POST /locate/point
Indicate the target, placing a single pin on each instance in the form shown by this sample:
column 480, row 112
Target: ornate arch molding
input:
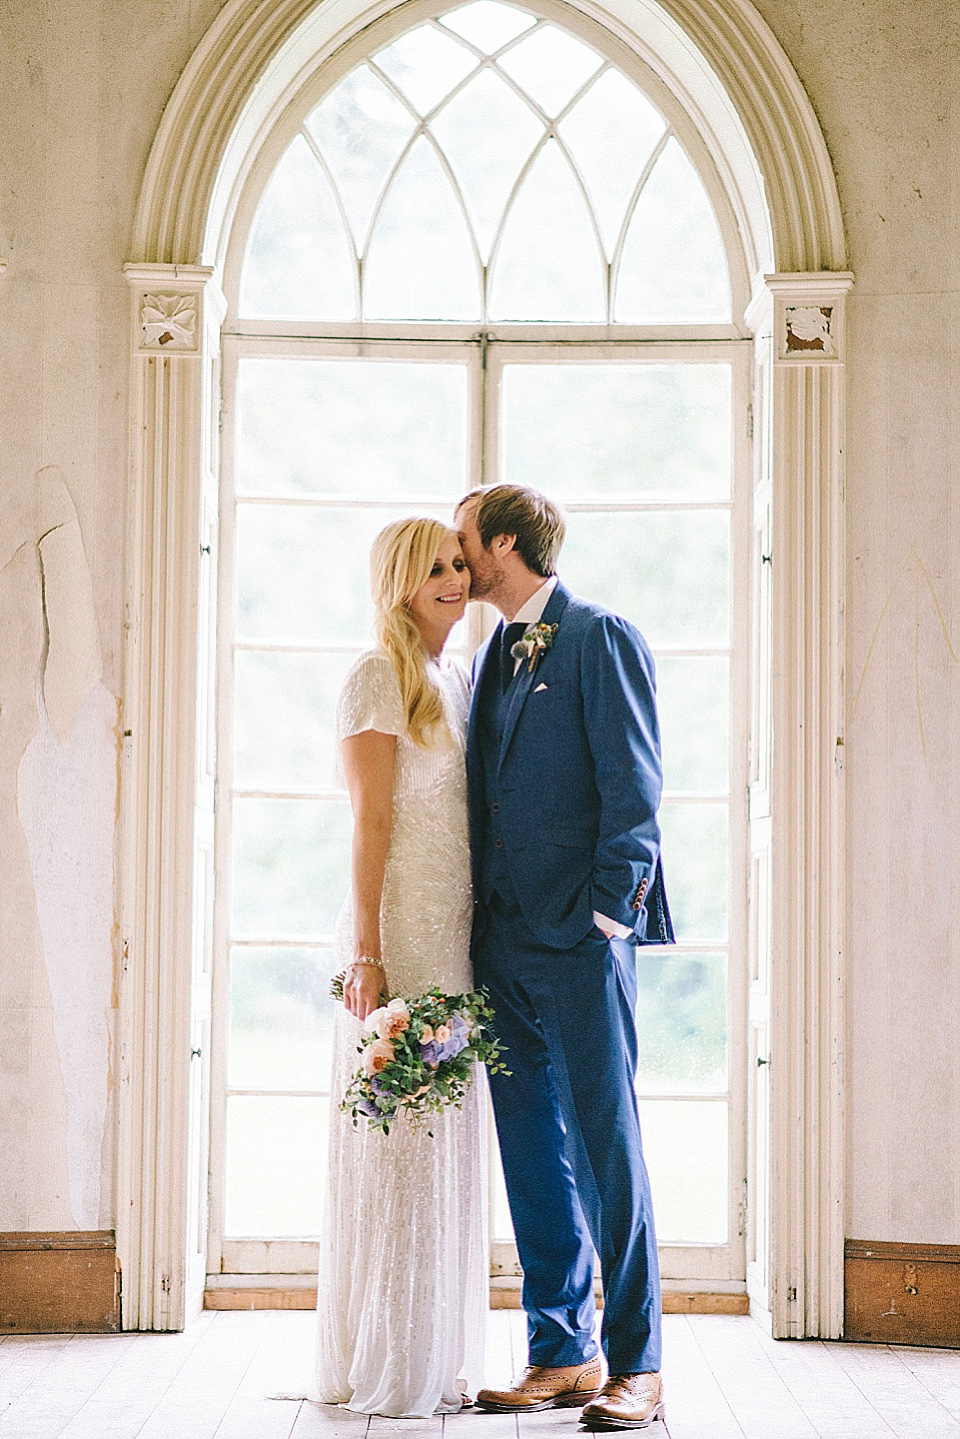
column 730, row 74
column 719, row 54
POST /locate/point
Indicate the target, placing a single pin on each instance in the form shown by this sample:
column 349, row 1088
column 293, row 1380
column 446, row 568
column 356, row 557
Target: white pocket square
column 539, row 688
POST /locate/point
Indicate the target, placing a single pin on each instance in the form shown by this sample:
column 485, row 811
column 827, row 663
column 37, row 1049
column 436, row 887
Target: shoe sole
column 599, row 1421
column 570, row 1400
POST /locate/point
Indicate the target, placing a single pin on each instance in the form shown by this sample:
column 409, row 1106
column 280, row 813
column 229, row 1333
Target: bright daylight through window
column 484, row 253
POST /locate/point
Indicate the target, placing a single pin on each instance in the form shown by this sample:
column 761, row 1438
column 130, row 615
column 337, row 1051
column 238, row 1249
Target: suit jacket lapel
column 523, row 682
column 481, row 672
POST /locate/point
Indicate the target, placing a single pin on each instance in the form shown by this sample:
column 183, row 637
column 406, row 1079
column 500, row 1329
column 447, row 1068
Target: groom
column 563, row 761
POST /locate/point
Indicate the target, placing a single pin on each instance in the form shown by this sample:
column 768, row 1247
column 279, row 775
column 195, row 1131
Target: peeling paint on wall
column 65, row 795
column 72, row 664
column 58, row 772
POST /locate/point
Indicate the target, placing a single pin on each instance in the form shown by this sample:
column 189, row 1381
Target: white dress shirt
column 528, row 614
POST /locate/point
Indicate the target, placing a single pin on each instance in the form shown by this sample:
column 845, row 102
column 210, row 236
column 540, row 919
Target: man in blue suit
column 563, row 763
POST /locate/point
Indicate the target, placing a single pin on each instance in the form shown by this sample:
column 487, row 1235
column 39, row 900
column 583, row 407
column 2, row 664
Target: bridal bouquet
column 418, row 1056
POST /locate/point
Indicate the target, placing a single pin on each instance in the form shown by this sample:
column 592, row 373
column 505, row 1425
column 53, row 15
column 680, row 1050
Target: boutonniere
column 533, row 643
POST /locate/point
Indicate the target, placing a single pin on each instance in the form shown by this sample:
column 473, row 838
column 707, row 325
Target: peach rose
column 442, row 1034
column 427, row 1035
column 393, row 1025
column 377, row 1056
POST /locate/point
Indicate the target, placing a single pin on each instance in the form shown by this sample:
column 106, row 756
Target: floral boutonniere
column 533, row 643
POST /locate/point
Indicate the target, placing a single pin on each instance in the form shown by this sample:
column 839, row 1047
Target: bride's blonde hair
column 401, row 559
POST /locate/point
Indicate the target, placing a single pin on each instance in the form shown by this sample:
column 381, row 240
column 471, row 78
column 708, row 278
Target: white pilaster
column 176, row 313
column 800, row 320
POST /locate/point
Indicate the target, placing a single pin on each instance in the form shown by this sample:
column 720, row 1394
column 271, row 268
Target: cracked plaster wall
column 83, row 87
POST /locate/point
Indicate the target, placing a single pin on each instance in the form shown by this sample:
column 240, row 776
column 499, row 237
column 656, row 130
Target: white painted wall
column 82, row 88
column 882, row 77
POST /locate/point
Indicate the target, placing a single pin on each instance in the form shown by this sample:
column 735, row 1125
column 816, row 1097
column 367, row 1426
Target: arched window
column 486, row 166
column 483, row 243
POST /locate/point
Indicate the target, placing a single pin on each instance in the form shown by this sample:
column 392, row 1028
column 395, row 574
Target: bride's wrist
column 367, row 959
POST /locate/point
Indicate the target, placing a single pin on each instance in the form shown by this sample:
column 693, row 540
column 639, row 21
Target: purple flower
column 366, row 1106
column 432, row 1053
column 377, row 1085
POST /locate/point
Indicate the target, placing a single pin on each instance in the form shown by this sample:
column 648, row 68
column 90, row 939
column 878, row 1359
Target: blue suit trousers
column 569, row 1137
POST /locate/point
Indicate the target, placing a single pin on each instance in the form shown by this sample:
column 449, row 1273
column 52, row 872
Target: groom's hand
column 610, row 928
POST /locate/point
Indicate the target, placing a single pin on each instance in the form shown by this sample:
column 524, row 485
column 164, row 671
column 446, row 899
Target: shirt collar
column 530, row 612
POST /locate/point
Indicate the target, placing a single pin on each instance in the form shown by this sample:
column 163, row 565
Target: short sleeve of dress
column 370, row 698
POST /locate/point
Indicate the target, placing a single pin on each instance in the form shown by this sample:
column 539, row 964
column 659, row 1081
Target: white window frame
column 687, row 1264
column 724, row 66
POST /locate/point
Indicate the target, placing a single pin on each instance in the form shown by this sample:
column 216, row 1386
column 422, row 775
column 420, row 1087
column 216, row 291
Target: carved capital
column 169, row 322
column 172, row 306
column 808, row 315
column 808, row 328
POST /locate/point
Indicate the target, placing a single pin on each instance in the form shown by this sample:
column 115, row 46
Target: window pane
column 668, row 573
column 551, row 66
column 299, row 262
column 693, row 697
column 303, row 574
column 487, row 133
column 291, row 866
column 425, row 64
column 276, row 1155
column 281, row 1018
column 681, row 1022
column 420, row 265
column 360, row 429
column 361, row 127
column 673, row 266
column 487, row 24
column 284, row 719
column 630, row 431
column 696, row 864
column 548, row 264
column 685, row 1146
column 612, row 132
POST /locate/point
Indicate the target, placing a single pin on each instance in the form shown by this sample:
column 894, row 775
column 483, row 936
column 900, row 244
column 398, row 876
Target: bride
column 402, row 1283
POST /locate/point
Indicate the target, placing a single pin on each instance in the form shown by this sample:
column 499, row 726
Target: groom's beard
column 485, row 582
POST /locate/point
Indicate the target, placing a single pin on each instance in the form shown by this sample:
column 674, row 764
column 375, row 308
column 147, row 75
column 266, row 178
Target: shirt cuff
column 611, row 926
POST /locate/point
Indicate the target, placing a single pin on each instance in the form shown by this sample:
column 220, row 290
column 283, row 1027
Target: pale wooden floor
column 725, row 1380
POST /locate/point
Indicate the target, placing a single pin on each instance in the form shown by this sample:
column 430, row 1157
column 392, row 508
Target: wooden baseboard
column 243, row 1298
column 902, row 1293
column 56, row 1283
column 673, row 1303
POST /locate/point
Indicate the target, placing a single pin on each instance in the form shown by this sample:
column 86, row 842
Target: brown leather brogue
column 542, row 1388
column 626, row 1401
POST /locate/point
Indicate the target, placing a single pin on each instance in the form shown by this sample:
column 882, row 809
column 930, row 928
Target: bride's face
column 442, row 598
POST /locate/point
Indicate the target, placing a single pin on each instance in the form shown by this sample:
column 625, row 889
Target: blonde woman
column 402, row 1299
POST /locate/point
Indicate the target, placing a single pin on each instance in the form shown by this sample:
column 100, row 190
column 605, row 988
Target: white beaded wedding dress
column 402, row 1284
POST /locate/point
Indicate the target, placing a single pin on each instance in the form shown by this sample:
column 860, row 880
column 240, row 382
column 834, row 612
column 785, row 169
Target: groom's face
column 483, row 566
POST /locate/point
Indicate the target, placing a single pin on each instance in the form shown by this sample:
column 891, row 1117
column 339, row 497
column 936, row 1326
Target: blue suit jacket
column 579, row 777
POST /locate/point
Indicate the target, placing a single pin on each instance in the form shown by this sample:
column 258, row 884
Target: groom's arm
column 620, row 715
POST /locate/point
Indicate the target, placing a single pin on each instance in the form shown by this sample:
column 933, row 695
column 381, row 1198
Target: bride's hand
column 364, row 989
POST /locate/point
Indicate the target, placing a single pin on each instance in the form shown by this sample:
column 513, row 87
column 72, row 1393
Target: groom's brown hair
column 537, row 525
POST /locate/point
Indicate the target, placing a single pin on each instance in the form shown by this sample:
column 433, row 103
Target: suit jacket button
column 499, row 844
column 637, row 904
column 494, row 809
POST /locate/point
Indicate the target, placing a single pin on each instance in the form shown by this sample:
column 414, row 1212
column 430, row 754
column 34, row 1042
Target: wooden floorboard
column 724, row 1379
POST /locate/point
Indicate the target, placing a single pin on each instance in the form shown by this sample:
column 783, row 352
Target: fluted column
column 799, row 322
column 176, row 313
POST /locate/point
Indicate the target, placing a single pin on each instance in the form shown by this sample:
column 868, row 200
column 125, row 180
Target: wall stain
column 912, row 566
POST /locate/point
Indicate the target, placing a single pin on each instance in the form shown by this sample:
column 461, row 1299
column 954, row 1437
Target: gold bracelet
column 368, row 959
